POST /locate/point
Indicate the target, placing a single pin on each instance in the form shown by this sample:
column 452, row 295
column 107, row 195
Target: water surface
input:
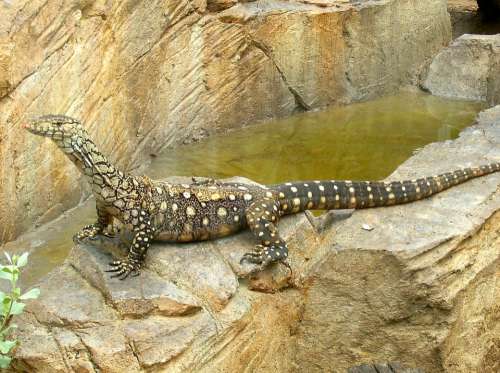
column 360, row 141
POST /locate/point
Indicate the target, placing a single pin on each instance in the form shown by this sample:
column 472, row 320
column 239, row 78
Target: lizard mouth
column 38, row 128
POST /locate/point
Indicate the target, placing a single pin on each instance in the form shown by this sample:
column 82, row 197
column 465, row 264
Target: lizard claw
column 89, row 232
column 262, row 257
column 254, row 257
column 123, row 269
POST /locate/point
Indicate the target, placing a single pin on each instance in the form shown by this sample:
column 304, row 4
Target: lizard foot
column 123, row 269
column 265, row 255
column 88, row 232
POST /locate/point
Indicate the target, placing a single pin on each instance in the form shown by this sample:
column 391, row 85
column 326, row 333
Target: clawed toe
column 122, row 270
column 255, row 258
column 263, row 256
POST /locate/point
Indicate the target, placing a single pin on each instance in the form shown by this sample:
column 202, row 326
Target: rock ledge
column 420, row 288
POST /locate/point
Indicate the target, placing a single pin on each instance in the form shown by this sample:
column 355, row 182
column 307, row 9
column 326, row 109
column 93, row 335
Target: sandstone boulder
column 145, row 75
column 420, row 288
column 412, row 289
column 468, row 69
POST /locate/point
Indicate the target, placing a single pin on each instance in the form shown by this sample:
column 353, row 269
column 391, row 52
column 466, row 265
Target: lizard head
column 56, row 127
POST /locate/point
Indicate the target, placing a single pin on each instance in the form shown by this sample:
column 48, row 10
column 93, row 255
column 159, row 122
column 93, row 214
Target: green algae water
column 356, row 142
column 360, row 141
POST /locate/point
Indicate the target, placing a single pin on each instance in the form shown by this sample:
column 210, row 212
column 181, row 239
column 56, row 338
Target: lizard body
column 158, row 210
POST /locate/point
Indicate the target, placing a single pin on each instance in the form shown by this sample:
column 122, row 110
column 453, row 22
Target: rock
column 383, row 368
column 420, row 288
column 146, row 75
column 465, row 18
column 409, row 289
column 141, row 296
column 217, row 5
column 468, row 69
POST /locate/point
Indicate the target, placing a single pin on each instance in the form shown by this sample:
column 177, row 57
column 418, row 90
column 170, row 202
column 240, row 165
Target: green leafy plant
column 11, row 305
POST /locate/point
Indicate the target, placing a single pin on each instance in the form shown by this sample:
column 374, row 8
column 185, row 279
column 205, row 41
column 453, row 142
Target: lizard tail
column 330, row 194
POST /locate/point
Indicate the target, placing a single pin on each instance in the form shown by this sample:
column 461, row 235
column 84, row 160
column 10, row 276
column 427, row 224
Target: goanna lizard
column 158, row 210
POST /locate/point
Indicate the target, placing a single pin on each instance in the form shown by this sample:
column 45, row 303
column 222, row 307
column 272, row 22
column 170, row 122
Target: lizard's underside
column 156, row 210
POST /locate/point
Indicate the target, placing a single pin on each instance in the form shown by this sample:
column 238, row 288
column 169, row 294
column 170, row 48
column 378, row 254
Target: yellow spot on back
column 222, row 212
column 190, row 211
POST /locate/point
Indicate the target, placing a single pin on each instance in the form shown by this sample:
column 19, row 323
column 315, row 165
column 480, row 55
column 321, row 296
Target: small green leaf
column 4, row 361
column 2, row 296
column 6, row 346
column 6, row 305
column 31, row 294
column 17, row 308
column 6, row 274
column 22, row 260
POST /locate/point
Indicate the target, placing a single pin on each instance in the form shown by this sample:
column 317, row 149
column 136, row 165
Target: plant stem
column 12, row 300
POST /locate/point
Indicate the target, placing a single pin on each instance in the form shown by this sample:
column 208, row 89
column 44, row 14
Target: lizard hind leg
column 262, row 217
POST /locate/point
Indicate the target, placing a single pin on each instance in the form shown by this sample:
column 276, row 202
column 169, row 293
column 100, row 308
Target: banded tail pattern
column 330, row 194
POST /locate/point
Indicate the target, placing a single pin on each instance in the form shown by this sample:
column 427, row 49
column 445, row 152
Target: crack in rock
column 299, row 100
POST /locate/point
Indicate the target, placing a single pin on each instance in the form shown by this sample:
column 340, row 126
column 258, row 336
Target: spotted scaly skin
column 157, row 210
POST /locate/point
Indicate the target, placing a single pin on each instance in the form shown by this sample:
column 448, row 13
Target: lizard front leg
column 91, row 231
column 143, row 235
column 262, row 217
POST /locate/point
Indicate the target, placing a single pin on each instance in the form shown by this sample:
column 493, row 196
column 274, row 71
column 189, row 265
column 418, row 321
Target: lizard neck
column 102, row 175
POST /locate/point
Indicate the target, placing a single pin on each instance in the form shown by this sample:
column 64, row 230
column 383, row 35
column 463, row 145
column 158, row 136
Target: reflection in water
column 360, row 141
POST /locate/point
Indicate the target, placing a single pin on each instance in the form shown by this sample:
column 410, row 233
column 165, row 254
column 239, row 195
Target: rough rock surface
column 421, row 288
column 465, row 18
column 143, row 75
column 468, row 69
